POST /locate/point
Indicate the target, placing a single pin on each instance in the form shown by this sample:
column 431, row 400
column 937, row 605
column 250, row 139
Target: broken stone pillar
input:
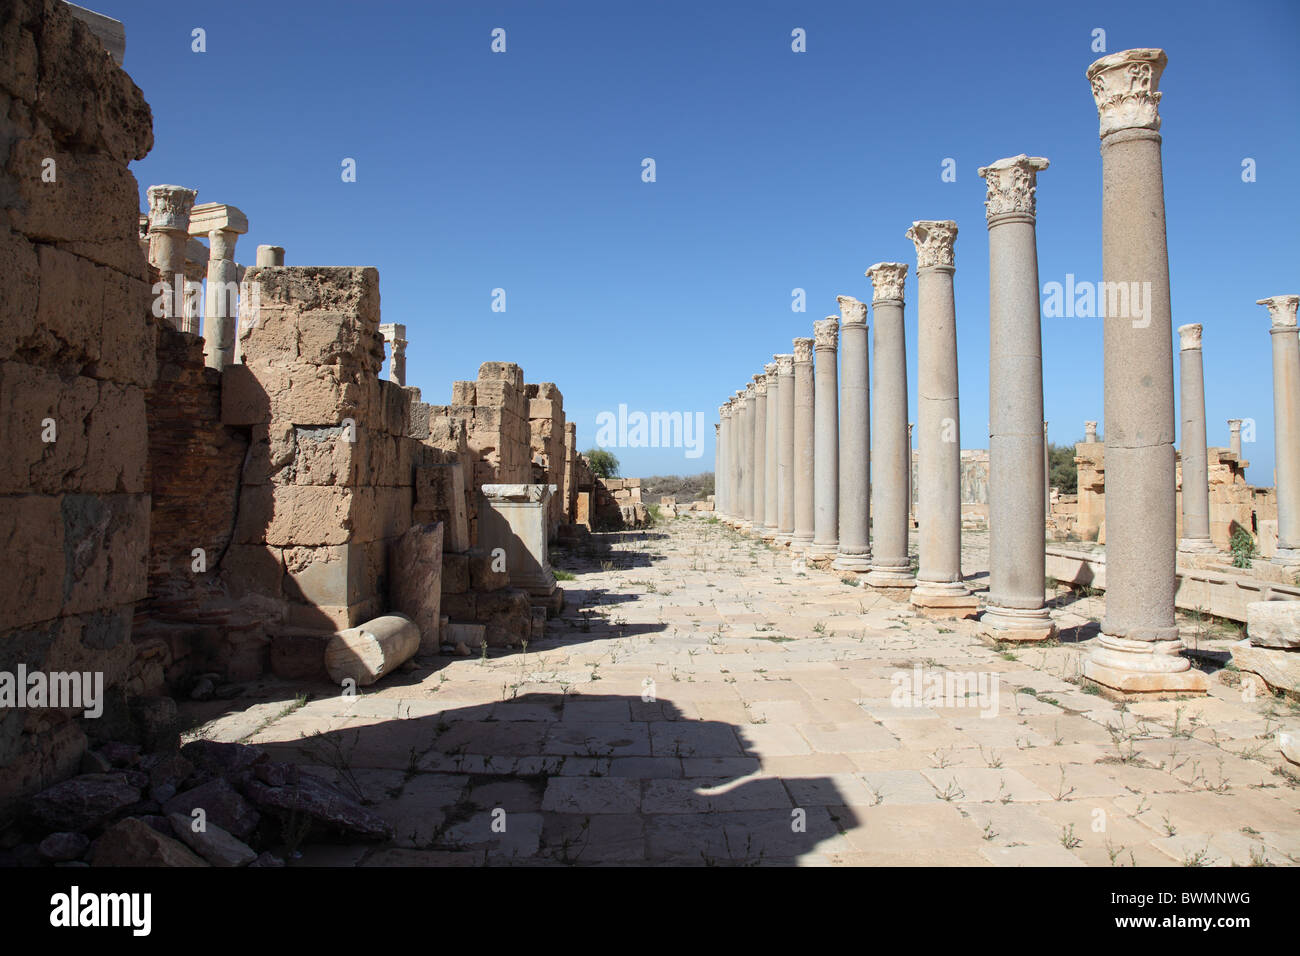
column 513, row 518
column 1090, row 432
column 939, row 589
column 854, row 552
column 365, row 653
column 769, row 452
column 270, row 255
column 1234, row 436
column 1196, row 462
column 169, row 222
column 223, row 225
column 1286, row 424
column 826, row 443
column 785, row 449
column 804, row 441
column 891, row 439
column 394, row 334
column 1138, row 652
column 758, row 460
column 1015, row 608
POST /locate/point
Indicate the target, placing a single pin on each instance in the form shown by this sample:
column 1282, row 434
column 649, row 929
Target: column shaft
column 855, row 440
column 826, row 464
column 1286, row 424
column 1195, row 455
column 771, row 413
column 758, row 459
column 804, row 446
column 785, row 449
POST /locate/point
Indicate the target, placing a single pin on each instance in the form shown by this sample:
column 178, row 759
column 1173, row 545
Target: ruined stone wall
column 547, row 445
column 76, row 358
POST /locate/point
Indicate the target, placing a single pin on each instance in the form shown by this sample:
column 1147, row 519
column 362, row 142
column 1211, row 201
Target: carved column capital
column 887, row 281
column 170, row 207
column 826, row 333
column 1124, row 86
column 1189, row 337
column 852, row 311
column 803, row 351
column 1012, row 183
column 1281, row 309
column 784, row 364
column 934, row 240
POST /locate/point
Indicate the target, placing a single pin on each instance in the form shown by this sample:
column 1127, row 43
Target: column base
column 800, row 545
column 1124, row 669
column 1018, row 625
column 1196, row 546
column 944, row 599
column 1286, row 557
column 783, row 539
column 769, row 532
column 857, row 563
column 886, row 578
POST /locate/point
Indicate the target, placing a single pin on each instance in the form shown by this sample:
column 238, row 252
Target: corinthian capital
column 934, row 239
column 1124, row 86
column 826, row 332
column 1281, row 309
column 760, row 384
column 1189, row 337
column 784, row 364
column 887, row 280
column 852, row 312
column 1012, row 183
column 803, row 351
column 169, row 208
column 769, row 373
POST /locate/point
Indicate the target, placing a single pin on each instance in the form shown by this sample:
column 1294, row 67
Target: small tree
column 1062, row 471
column 603, row 463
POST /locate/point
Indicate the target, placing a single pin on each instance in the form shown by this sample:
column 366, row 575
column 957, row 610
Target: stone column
column 739, row 449
column 1090, row 432
column 911, row 496
column 855, row 440
column 1286, row 424
column 270, row 255
column 1234, row 436
column 770, row 452
column 758, row 459
column 826, row 450
column 394, row 334
column 891, row 439
column 785, row 449
column 747, row 458
column 1047, row 471
column 1196, row 463
column 169, row 231
column 1138, row 653
column 223, row 225
column 720, row 463
column 1015, row 608
column 939, row 589
column 804, row 446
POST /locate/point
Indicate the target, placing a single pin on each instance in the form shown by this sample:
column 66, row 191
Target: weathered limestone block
column 1274, row 624
column 487, row 571
column 335, row 575
column 415, row 580
column 1279, row 668
column 455, row 572
column 373, row 650
column 440, row 490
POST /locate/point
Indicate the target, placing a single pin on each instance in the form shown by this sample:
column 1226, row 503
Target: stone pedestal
column 1286, row 424
column 169, row 225
column 804, row 442
column 855, row 440
column 939, row 589
column 1138, row 654
column 514, row 519
column 891, row 445
column 785, row 449
column 826, row 444
column 1196, row 463
column 1015, row 609
column 770, row 413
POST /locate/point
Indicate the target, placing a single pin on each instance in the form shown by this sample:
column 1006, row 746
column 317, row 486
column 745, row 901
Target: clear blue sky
column 775, row 170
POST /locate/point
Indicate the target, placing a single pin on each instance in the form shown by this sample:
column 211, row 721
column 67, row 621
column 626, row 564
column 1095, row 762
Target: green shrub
column 1242, row 546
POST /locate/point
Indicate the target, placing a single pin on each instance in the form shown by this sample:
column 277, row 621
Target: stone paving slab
column 702, row 702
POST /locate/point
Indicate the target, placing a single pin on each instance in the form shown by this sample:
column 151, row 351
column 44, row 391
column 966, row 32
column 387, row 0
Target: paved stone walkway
column 702, row 701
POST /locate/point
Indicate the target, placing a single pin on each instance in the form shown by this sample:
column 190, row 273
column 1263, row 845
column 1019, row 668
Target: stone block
column 463, row 393
column 299, row 655
column 544, row 408
column 415, row 586
column 1279, row 668
column 440, row 489
column 335, row 575
column 488, row 571
column 471, row 635
column 1274, row 624
column 507, row 372
column 455, row 573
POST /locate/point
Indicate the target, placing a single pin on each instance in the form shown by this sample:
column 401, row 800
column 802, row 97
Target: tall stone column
column 855, row 440
column 1090, row 432
column 804, row 446
column 270, row 255
column 747, row 457
column 1286, row 424
column 826, row 456
column 223, row 225
column 891, row 439
column 1047, row 473
column 1138, row 653
column 1196, row 463
column 1015, row 608
column 1234, row 437
column 939, row 589
column 394, row 334
column 738, row 451
column 758, row 460
column 720, row 465
column 169, row 232
column 785, row 449
column 770, row 452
